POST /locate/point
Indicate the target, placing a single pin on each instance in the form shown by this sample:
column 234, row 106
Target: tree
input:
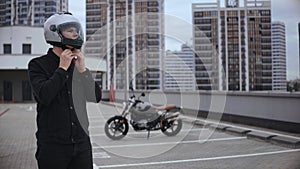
column 293, row 85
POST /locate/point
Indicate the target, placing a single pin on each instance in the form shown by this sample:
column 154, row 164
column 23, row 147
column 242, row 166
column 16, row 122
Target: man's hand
column 79, row 61
column 66, row 59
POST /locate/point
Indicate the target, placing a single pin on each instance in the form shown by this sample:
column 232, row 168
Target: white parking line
column 199, row 159
column 95, row 117
column 152, row 132
column 93, row 127
column 245, row 128
column 100, row 155
column 169, row 143
column 98, row 121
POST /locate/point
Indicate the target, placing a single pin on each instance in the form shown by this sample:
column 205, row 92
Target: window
column 7, row 48
column 26, row 48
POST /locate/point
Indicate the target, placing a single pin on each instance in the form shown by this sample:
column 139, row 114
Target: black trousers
column 64, row 156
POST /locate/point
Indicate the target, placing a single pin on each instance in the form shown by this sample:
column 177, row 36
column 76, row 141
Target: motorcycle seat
column 165, row 107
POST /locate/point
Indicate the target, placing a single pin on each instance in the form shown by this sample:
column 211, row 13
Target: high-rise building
column 233, row 45
column 279, row 56
column 129, row 36
column 29, row 12
column 179, row 69
column 299, row 46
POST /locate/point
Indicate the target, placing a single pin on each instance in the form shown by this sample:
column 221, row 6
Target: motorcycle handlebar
column 133, row 97
column 133, row 100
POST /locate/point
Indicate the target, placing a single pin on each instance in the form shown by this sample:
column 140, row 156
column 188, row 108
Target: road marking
column 95, row 117
column 95, row 166
column 93, row 127
column 168, row 143
column 152, row 132
column 245, row 128
column 200, row 159
column 101, row 155
column 6, row 110
column 97, row 121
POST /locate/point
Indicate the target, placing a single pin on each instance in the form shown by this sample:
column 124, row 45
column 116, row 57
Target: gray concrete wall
column 283, row 107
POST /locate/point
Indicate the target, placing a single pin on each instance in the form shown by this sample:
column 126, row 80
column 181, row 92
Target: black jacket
column 61, row 100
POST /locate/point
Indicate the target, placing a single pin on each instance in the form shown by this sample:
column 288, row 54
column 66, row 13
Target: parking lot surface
column 195, row 146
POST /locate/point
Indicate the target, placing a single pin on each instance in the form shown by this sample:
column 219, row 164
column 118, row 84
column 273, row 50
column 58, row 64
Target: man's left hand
column 79, row 62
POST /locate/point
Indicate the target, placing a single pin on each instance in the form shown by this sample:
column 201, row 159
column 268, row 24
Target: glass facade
column 279, row 56
column 233, row 46
column 127, row 34
column 29, row 12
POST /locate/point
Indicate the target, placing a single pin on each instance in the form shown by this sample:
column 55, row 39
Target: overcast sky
column 179, row 15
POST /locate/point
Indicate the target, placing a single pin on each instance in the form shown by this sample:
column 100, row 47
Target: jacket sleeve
column 45, row 88
column 91, row 89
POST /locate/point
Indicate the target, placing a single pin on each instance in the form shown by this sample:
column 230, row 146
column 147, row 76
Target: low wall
column 280, row 111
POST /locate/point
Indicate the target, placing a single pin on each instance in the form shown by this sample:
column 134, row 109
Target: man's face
column 70, row 33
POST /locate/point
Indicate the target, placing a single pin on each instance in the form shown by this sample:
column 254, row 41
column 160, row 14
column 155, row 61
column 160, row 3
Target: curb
column 286, row 141
column 219, row 127
column 201, row 123
column 259, row 136
column 273, row 138
column 237, row 131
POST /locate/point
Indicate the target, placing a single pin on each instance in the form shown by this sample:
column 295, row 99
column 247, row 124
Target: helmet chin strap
column 64, row 47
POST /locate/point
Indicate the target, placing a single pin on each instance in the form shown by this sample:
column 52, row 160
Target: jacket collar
column 52, row 55
column 55, row 58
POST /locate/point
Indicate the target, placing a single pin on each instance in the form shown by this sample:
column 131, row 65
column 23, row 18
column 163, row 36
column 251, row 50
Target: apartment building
column 129, row 36
column 29, row 12
column 299, row 46
column 179, row 69
column 279, row 56
column 22, row 38
column 233, row 45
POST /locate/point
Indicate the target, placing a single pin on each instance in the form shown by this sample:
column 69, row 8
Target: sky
column 179, row 15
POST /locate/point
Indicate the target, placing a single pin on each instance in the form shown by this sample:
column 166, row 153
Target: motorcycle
column 144, row 116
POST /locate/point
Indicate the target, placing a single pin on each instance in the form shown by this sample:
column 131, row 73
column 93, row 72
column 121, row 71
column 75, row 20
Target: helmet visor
column 71, row 25
column 67, row 31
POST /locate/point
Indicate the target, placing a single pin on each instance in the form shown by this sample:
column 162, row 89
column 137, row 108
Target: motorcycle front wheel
column 171, row 128
column 116, row 127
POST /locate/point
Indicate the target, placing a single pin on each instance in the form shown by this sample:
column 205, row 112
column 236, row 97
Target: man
column 61, row 85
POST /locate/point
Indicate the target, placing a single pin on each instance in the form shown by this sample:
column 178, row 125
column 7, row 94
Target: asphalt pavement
column 200, row 144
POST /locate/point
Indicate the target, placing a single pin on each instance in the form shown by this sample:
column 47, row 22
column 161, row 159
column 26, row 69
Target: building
column 16, row 50
column 179, row 69
column 233, row 45
column 22, row 38
column 279, row 56
column 299, row 46
column 29, row 12
column 129, row 36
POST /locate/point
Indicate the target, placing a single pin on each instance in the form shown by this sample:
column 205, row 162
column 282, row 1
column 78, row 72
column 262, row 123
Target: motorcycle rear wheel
column 171, row 128
column 116, row 128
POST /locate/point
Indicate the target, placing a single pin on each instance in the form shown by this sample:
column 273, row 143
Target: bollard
column 111, row 93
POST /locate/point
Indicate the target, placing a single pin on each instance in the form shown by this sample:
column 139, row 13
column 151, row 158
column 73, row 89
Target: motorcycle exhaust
column 172, row 116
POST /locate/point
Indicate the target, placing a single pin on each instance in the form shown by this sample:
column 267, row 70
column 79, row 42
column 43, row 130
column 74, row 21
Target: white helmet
column 55, row 24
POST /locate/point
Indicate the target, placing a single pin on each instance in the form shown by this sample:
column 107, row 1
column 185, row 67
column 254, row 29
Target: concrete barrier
column 280, row 111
